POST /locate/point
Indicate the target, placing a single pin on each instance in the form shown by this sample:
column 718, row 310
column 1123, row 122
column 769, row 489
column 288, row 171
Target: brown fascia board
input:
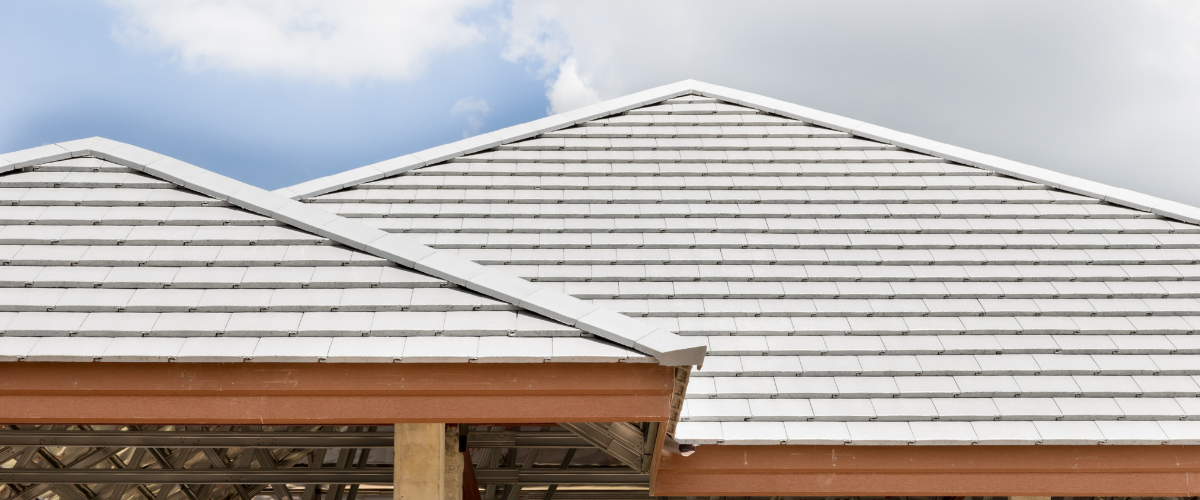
column 667, row 347
column 332, row 393
column 1027, row 470
column 1111, row 194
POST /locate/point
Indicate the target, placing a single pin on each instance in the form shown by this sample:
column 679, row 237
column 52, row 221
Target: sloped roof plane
column 1110, row 194
column 85, row 193
column 854, row 285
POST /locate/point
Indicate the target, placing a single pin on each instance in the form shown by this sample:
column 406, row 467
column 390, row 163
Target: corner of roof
column 668, row 348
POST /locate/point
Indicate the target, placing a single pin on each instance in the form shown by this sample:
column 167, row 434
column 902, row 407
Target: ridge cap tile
column 655, row 95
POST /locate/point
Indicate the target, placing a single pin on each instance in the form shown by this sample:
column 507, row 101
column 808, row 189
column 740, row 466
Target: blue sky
column 78, row 80
column 276, row 93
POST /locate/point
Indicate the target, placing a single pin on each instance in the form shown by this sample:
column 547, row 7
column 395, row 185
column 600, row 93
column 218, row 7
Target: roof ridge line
column 387, row 168
column 1077, row 185
column 668, row 347
column 1069, row 183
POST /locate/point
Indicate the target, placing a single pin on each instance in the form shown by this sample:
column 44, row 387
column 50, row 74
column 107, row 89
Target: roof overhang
column 332, row 393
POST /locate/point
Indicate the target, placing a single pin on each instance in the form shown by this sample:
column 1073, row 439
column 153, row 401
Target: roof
column 114, row 253
column 853, row 284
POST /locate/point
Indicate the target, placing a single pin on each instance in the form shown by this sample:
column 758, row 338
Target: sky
column 277, row 92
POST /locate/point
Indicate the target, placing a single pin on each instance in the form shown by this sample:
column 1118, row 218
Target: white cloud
column 569, row 90
column 340, row 41
column 473, row 110
column 1106, row 92
column 536, row 36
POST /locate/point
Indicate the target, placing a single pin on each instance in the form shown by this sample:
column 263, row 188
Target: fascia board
column 1111, row 194
column 400, row 249
column 482, row 142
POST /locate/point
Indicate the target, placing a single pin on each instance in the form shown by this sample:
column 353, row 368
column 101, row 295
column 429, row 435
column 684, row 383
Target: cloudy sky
column 275, row 92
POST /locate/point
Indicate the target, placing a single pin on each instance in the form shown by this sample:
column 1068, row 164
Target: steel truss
column 127, row 462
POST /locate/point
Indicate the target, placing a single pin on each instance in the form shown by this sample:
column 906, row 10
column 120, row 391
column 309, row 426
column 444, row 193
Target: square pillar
column 428, row 465
column 420, row 462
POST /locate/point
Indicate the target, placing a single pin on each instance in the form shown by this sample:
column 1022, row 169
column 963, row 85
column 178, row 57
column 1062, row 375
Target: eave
column 332, row 393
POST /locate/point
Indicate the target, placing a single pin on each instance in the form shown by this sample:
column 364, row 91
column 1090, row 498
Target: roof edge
column 669, row 348
column 481, row 142
column 1111, row 194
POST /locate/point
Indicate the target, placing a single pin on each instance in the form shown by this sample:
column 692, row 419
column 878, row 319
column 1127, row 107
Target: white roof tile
column 291, row 349
column 365, row 350
column 1069, row 432
column 68, row 349
column 1132, row 433
column 143, row 349
column 217, row 349
column 796, row 318
column 1006, row 433
column 943, row 433
column 1181, row 432
column 831, row 433
column 880, row 433
column 750, row 433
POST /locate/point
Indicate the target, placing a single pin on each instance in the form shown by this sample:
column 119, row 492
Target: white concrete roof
column 109, row 250
column 852, row 284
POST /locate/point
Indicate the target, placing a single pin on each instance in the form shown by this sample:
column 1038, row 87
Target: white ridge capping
column 481, row 142
column 1111, row 194
column 669, row 348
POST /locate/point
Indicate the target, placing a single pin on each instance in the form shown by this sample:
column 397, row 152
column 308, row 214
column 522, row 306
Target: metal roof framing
column 1110, row 194
column 201, row 462
column 667, row 347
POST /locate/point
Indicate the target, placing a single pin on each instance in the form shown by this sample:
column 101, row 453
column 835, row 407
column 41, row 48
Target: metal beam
column 564, row 477
column 277, row 439
column 524, row 439
column 197, row 439
column 622, row 441
column 300, row 475
column 304, row 475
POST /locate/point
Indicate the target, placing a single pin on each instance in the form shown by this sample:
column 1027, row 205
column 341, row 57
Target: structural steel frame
column 150, row 462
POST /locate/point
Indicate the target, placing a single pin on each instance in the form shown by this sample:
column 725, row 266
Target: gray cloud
column 1104, row 90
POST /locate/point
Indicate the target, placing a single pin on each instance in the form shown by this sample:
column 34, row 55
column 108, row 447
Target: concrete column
column 420, row 470
column 453, row 466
